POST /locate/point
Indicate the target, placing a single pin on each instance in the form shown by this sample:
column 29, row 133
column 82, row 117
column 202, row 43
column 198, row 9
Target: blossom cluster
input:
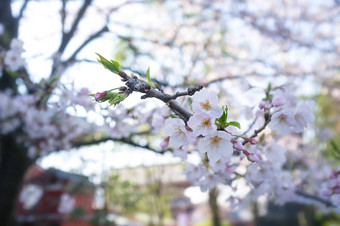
column 333, row 185
column 12, row 59
column 224, row 149
column 41, row 129
column 285, row 117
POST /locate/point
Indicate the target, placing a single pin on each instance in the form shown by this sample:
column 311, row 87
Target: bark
column 13, row 165
column 214, row 208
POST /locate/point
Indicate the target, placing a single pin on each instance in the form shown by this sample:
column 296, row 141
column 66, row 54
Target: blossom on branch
column 206, row 101
column 217, row 145
column 202, row 124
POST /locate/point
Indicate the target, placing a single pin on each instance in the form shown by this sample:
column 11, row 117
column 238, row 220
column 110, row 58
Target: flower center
column 178, row 131
column 206, row 123
column 205, row 105
column 215, row 141
column 283, row 118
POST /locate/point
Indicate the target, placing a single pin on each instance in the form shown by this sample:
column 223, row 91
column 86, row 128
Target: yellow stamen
column 206, row 123
column 215, row 140
column 205, row 105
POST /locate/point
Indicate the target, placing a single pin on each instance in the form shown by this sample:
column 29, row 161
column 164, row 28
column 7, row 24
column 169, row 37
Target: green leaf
column 116, row 99
column 234, row 123
column 223, row 119
column 148, row 76
column 261, row 139
column 112, row 65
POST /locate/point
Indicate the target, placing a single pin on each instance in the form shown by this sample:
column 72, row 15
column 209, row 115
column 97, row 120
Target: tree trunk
column 13, row 165
column 214, row 209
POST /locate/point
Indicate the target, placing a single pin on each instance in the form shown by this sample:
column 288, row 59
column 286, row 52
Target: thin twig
column 23, row 7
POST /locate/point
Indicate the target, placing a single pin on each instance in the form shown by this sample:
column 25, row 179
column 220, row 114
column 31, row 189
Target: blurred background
column 235, row 47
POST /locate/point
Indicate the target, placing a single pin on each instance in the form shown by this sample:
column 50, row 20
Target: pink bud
column 98, row 96
column 165, row 143
column 251, row 140
column 238, row 146
column 254, row 158
column 262, row 104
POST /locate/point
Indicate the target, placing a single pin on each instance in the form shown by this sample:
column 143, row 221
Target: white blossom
column 206, row 101
column 282, row 121
column 217, row 145
column 202, row 124
column 303, row 115
column 175, row 129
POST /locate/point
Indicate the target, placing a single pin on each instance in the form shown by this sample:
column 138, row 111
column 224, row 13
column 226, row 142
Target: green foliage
column 77, row 212
column 112, row 65
column 234, row 123
column 208, row 223
column 112, row 98
column 123, row 195
column 222, row 121
column 327, row 116
column 148, row 76
column 261, row 139
column 100, row 218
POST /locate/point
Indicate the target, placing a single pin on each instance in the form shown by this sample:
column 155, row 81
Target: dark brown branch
column 327, row 203
column 85, row 43
column 31, row 87
column 66, row 37
column 23, row 7
column 121, row 140
column 135, row 85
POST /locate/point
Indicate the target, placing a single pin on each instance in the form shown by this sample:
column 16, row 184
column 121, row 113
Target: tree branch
column 327, row 203
column 121, row 140
column 85, row 43
column 66, row 37
column 63, row 16
column 23, row 7
column 136, row 85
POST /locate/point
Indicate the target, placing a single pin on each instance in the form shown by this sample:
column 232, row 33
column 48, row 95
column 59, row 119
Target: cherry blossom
column 175, row 128
column 303, row 115
column 202, row 124
column 194, row 172
column 217, row 145
column 206, row 101
column 282, row 121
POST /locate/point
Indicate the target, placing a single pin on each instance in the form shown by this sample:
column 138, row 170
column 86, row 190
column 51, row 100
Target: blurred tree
column 230, row 46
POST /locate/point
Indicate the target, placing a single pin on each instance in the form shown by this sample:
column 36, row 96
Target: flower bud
column 100, row 95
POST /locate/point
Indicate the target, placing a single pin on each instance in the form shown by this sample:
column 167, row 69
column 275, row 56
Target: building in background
column 55, row 198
